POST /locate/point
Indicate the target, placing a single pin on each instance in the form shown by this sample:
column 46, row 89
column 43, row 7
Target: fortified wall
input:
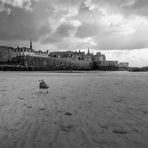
column 28, row 59
column 51, row 63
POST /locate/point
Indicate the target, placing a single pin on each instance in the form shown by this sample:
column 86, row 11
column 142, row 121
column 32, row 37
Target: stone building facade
column 6, row 53
column 123, row 65
column 9, row 53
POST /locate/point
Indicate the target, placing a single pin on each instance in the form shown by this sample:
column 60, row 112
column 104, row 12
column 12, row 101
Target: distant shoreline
column 68, row 69
column 138, row 69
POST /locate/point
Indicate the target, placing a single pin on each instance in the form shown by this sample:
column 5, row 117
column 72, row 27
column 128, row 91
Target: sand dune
column 81, row 110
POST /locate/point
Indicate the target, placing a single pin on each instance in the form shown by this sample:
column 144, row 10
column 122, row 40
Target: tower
column 88, row 52
column 30, row 44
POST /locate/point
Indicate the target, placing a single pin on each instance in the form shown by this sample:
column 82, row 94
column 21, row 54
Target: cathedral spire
column 88, row 52
column 30, row 44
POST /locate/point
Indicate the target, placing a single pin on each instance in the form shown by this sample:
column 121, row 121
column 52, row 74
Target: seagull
column 43, row 85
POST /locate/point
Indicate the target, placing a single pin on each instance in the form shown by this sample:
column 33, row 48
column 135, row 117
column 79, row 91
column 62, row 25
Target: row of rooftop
column 7, row 53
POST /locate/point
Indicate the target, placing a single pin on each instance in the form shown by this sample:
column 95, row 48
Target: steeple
column 88, row 52
column 30, row 44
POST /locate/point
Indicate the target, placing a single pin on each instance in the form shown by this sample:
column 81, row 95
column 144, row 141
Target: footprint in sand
column 103, row 126
column 63, row 98
column 67, row 128
column 42, row 108
column 120, row 132
column 29, row 106
column 20, row 98
column 68, row 114
column 118, row 100
column 145, row 111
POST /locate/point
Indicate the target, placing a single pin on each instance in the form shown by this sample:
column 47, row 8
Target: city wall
column 106, row 65
column 50, row 63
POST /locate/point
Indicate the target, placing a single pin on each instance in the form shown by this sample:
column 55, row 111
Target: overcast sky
column 119, row 28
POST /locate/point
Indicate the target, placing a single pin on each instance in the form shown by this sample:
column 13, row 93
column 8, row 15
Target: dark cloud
column 22, row 24
column 140, row 3
column 105, row 24
column 63, row 31
column 44, row 30
column 70, row 2
column 51, row 39
column 83, row 7
column 139, row 7
column 87, row 30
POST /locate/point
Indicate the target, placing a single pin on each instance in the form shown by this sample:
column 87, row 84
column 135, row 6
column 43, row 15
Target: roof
column 7, row 47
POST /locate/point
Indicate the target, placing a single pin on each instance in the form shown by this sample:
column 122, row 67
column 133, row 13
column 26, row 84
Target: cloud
column 4, row 9
column 126, row 7
column 128, row 33
column 63, row 31
column 18, row 3
column 83, row 7
column 105, row 24
column 139, row 7
column 22, row 24
column 87, row 30
column 132, row 56
column 77, row 24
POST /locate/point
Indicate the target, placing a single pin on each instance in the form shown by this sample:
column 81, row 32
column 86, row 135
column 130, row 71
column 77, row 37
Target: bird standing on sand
column 43, row 85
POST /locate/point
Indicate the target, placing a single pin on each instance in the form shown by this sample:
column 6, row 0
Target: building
column 29, row 57
column 63, row 54
column 24, row 51
column 99, row 57
column 9, row 53
column 6, row 53
column 88, row 56
column 68, row 54
column 106, row 65
column 123, row 65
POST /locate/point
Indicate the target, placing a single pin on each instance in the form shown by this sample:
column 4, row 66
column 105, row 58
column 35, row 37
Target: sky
column 117, row 28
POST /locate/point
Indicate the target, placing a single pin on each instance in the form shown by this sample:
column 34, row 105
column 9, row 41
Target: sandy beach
column 81, row 110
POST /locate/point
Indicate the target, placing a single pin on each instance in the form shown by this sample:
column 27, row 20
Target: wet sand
column 81, row 110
